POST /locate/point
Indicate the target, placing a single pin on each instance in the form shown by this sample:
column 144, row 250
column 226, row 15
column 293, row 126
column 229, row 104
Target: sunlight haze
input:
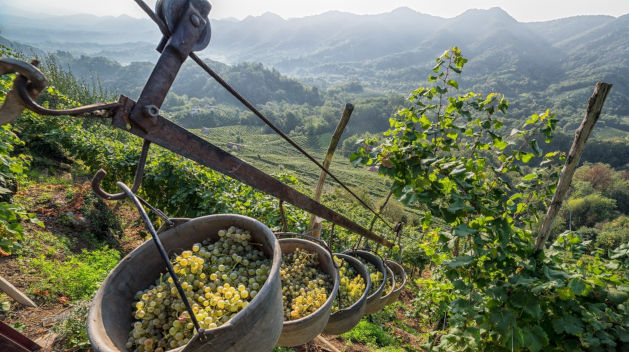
column 524, row 11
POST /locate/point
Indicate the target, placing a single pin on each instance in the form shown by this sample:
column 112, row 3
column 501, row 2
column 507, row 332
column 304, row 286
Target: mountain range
column 550, row 64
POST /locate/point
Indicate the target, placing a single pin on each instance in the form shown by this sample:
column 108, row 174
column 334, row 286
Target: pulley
column 171, row 12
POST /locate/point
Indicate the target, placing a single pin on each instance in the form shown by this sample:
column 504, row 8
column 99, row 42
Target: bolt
column 196, row 20
column 152, row 112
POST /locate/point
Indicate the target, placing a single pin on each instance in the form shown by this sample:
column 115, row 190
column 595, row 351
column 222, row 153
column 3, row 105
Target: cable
column 253, row 109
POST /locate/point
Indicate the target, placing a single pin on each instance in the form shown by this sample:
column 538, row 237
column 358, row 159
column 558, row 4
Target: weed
column 44, row 198
column 390, row 349
column 103, row 223
column 19, row 327
column 282, row 349
column 369, row 334
column 78, row 277
column 5, row 304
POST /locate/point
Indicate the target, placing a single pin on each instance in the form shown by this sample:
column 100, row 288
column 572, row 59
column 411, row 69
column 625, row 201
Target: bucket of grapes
column 378, row 275
column 310, row 283
column 228, row 267
column 389, row 287
column 349, row 305
column 399, row 282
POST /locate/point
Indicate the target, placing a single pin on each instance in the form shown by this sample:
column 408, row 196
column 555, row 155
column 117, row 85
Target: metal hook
column 29, row 76
column 126, row 192
column 100, row 174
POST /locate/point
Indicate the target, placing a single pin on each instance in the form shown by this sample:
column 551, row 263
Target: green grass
column 78, row 276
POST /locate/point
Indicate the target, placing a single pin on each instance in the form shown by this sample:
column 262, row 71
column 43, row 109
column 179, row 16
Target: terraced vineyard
column 270, row 153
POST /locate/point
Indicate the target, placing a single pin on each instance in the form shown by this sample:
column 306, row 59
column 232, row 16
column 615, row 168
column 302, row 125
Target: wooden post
column 327, row 343
column 314, row 225
column 595, row 105
column 13, row 292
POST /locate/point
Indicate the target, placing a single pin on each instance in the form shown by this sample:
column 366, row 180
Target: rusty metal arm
column 175, row 138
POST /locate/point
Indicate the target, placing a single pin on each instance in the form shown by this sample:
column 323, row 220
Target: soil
column 50, row 202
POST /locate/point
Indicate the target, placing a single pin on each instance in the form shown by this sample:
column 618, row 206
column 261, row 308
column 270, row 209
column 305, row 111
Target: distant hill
column 537, row 65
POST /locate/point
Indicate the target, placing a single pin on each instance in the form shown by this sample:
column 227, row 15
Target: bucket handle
column 318, row 240
column 158, row 243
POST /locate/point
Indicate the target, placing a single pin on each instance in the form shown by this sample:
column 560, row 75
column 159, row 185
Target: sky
column 521, row 10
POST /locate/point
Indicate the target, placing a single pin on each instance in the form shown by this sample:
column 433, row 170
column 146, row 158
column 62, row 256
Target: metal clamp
column 100, row 174
column 314, row 239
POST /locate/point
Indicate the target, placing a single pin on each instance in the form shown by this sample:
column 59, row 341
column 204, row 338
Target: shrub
column 370, row 334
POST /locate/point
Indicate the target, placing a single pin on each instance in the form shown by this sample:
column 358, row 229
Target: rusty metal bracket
column 189, row 20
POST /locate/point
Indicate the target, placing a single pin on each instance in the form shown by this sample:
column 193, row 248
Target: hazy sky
column 522, row 10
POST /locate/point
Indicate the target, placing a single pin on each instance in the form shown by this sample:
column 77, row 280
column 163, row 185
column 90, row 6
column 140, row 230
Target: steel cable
column 166, row 32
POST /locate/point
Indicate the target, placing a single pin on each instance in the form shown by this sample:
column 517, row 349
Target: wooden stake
column 314, row 226
column 13, row 292
column 327, row 343
column 595, row 105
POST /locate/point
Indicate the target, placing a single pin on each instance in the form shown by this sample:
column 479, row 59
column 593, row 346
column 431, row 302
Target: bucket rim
column 392, row 264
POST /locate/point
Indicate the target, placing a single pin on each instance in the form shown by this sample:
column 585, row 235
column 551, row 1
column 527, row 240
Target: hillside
column 539, row 65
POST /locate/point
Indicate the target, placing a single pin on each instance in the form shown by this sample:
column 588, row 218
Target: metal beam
column 173, row 137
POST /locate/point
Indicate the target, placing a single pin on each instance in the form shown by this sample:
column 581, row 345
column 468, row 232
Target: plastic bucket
column 256, row 327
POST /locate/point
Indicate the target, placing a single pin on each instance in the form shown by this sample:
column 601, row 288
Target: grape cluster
column 304, row 287
column 219, row 280
column 376, row 277
column 351, row 288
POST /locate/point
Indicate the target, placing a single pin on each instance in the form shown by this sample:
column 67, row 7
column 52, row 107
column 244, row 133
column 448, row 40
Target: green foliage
column 432, row 302
column 78, row 277
column 12, row 170
column 369, row 334
column 591, row 209
column 446, row 152
column 614, row 233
